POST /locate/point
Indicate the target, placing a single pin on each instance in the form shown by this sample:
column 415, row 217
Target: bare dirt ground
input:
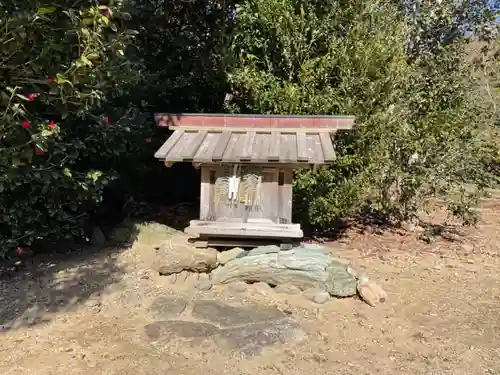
column 86, row 313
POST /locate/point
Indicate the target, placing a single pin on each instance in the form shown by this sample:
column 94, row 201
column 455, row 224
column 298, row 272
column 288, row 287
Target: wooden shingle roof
column 250, row 139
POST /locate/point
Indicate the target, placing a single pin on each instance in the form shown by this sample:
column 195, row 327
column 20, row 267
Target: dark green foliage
column 182, row 45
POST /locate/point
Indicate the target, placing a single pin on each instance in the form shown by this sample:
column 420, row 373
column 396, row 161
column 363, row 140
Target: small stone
column 287, row 289
column 371, row 293
column 203, row 277
column 97, row 238
column 238, row 286
column 173, row 278
column 322, row 298
column 175, row 258
column 317, row 295
column 340, row 283
column 80, row 356
column 226, row 256
column 203, row 283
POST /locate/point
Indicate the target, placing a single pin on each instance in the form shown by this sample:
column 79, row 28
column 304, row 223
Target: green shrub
column 420, row 120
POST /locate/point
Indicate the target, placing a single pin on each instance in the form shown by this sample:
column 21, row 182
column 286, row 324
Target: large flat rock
column 251, row 339
column 225, row 315
column 248, row 340
column 304, row 267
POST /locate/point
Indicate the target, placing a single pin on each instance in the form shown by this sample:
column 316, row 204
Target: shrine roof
column 256, row 139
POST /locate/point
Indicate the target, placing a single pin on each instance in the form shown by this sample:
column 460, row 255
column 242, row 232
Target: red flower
column 39, row 151
column 105, row 119
column 33, row 96
column 52, row 124
column 19, row 251
column 105, row 12
column 26, row 125
column 149, row 140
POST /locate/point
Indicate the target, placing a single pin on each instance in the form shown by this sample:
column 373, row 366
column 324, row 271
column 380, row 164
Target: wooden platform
column 244, row 230
column 229, row 242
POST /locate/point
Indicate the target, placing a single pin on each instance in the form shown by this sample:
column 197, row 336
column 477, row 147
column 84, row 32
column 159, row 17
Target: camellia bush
column 59, row 65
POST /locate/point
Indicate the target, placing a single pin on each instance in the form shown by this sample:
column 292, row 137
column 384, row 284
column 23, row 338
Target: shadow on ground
column 34, row 290
column 40, row 287
column 427, row 230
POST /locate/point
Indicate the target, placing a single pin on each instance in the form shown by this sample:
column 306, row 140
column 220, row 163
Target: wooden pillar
column 205, row 194
column 285, row 186
column 270, row 195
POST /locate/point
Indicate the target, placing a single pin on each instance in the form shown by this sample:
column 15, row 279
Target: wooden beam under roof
column 214, row 122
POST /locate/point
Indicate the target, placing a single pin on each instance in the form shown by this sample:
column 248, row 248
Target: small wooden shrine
column 247, row 164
